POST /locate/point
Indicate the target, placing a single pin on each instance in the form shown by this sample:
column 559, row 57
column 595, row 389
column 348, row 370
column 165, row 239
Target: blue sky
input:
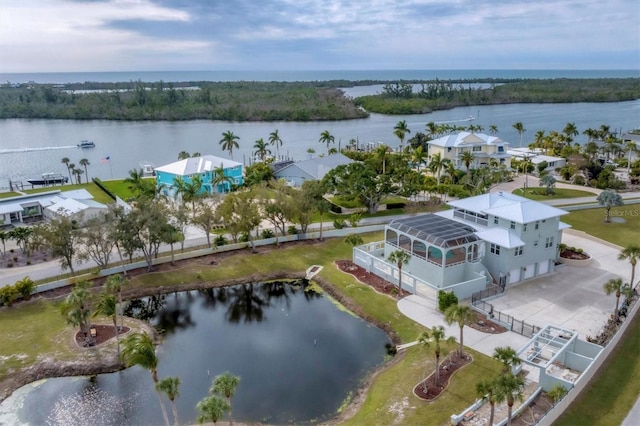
column 167, row 35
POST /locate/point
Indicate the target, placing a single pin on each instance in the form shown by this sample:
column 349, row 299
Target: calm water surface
column 29, row 148
column 297, row 355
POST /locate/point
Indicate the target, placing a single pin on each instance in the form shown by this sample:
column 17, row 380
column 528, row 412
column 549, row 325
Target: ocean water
column 351, row 75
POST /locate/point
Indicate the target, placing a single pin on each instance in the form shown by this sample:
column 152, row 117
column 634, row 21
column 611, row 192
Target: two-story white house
column 496, row 237
column 482, row 147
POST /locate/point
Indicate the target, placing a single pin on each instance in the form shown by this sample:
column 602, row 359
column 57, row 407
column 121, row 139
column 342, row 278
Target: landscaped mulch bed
column 427, row 389
column 16, row 258
column 378, row 284
column 103, row 333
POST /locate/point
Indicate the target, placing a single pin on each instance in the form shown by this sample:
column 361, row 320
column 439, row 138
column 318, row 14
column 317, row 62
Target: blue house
column 208, row 167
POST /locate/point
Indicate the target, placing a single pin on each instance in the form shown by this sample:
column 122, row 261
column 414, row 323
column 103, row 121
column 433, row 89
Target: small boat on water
column 86, row 144
column 49, row 179
column 148, row 168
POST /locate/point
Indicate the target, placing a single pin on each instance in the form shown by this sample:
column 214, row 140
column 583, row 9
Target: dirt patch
column 16, row 258
column 534, row 411
column 484, row 324
column 428, row 390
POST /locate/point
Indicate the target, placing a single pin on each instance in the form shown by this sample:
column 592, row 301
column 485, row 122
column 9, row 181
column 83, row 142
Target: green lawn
column 592, row 222
column 98, row 194
column 41, row 322
column 8, row 194
column 119, row 187
column 539, row 194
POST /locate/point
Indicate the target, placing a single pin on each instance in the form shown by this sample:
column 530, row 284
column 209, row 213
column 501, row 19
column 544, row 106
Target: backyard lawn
column 98, row 194
column 623, row 230
column 539, row 194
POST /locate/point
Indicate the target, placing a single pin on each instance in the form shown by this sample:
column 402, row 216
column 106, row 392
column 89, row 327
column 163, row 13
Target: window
column 448, row 149
column 513, row 225
column 477, row 148
column 537, row 224
column 518, row 251
column 501, row 149
column 495, row 220
column 495, row 249
column 524, row 228
column 548, row 242
column 535, row 243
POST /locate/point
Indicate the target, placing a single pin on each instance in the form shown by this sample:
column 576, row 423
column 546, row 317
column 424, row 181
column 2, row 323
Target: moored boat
column 49, row 179
column 148, row 168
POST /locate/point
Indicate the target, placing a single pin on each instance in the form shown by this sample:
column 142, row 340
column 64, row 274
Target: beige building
column 483, row 147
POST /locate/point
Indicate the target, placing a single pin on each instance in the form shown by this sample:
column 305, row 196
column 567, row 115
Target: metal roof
column 436, row 230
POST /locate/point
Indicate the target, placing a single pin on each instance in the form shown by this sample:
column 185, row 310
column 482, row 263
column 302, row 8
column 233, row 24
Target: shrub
column 355, row 218
column 8, row 294
column 267, row 233
column 25, row 287
column 244, row 238
column 446, row 299
column 339, row 223
column 579, row 180
column 220, row 240
column 292, row 230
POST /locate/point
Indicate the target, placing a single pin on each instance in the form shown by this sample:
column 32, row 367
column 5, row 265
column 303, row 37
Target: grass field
column 539, row 194
column 592, row 222
column 98, row 194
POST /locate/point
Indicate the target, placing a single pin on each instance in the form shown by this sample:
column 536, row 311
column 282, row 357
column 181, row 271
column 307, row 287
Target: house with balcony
column 496, row 237
column 208, row 167
column 484, row 148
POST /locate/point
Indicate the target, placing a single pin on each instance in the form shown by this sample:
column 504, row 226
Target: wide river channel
column 298, row 355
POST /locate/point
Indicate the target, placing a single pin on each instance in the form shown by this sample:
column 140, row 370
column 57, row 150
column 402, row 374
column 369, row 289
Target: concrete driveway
column 572, row 297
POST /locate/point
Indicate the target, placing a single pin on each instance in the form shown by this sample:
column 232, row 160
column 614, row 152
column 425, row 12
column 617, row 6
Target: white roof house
column 194, row 165
column 537, row 156
column 483, row 148
column 467, row 139
column 312, row 169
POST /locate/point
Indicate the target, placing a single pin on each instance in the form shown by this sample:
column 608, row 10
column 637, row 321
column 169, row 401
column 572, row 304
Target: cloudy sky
column 163, row 35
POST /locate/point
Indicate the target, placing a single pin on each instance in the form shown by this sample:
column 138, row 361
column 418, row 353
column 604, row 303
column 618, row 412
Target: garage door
column 530, row 271
column 514, row 275
column 543, row 267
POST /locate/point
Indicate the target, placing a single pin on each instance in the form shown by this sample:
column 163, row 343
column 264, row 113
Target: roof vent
column 500, row 193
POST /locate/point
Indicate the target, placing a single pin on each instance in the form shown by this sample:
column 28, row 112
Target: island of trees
column 290, row 101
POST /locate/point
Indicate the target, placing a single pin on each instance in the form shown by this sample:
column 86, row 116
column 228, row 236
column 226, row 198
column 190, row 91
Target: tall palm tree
column 520, row 128
column 630, row 147
column 487, row 388
column 261, row 150
column 66, row 162
column 190, row 190
column 401, row 130
column 171, row 387
column 219, row 178
column 78, row 173
column 631, row 252
column 460, row 314
column 226, row 385
column 274, row 139
column 400, row 258
column 432, row 130
column 182, row 155
column 212, row 408
column 615, row 285
column 493, row 130
column 418, row 157
column 509, row 388
column 71, row 169
column 467, row 158
column 108, row 306
column 507, row 356
column 328, row 138
column 229, row 142
column 114, row 285
column 84, row 163
column 138, row 349
column 436, row 164
column 571, row 131
column 436, row 335
column 76, row 309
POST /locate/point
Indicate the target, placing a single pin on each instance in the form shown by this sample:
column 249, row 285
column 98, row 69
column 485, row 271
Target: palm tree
column 108, row 306
column 436, row 164
column 226, row 385
column 114, row 285
column 520, row 128
column 507, row 356
column 509, row 388
column 171, row 387
column 460, row 314
column 212, row 408
column 401, row 130
column 487, row 388
column 189, row 191
column 418, row 156
column 274, row 139
column 229, row 142
column 631, row 252
column 467, row 158
column 66, row 162
column 182, row 155
column 138, row 349
column 493, row 129
column 571, row 131
column 219, row 178
column 328, row 138
column 78, row 173
column 76, row 309
column 354, row 240
column 608, row 199
column 436, row 335
column 261, row 150
column 548, row 181
column 400, row 258
column 71, row 169
column 630, row 147
column 615, row 285
column 84, row 163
